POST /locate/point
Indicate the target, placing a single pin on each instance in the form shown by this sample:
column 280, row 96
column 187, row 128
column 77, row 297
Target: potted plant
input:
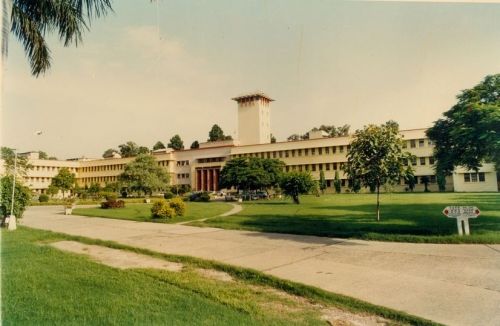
column 69, row 204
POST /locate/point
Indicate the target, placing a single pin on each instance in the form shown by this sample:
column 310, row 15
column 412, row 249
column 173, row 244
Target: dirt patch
column 116, row 258
column 216, row 275
column 333, row 316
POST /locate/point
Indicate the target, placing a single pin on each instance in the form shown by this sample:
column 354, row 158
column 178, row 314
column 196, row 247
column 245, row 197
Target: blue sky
column 152, row 70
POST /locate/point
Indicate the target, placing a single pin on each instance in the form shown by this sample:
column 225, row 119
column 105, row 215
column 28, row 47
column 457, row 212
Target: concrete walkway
column 451, row 284
column 235, row 210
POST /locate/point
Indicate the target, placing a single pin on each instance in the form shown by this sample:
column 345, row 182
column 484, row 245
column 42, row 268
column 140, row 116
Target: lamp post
column 12, row 217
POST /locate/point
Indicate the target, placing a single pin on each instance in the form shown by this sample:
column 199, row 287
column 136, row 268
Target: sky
column 151, row 70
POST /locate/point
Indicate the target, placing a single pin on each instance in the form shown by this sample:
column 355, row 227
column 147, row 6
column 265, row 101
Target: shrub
column 124, row 194
column 113, row 204
column 22, row 197
column 162, row 209
column 43, row 198
column 200, row 197
column 178, row 205
column 109, row 196
column 168, row 195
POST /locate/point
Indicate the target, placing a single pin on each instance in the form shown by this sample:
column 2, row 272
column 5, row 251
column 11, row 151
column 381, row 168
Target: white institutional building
column 201, row 167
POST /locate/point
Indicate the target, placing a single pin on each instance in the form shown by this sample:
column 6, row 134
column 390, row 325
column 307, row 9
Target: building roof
column 250, row 95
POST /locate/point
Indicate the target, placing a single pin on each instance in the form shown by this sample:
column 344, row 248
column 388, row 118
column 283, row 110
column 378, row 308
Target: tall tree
column 195, row 144
column 109, row 153
column 336, row 183
column 9, row 157
column 32, row 21
column 129, row 149
column 22, row 196
column 176, row 143
column 377, row 157
column 296, row 183
column 143, row 175
column 158, row 145
column 273, row 139
column 43, row 155
column 64, row 181
column 217, row 134
column 143, row 150
column 469, row 133
column 322, row 181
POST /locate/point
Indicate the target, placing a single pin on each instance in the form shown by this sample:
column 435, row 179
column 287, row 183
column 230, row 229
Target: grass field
column 142, row 212
column 414, row 217
column 44, row 286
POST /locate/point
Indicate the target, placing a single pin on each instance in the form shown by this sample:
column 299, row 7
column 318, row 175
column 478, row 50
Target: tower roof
column 255, row 95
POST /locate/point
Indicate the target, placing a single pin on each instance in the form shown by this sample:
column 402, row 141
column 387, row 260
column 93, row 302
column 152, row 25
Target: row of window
column 37, row 179
column 298, row 152
column 182, row 175
column 51, row 168
column 182, row 163
column 422, row 160
column 315, row 167
column 211, row 159
column 412, row 143
column 98, row 179
column 114, row 167
column 474, row 177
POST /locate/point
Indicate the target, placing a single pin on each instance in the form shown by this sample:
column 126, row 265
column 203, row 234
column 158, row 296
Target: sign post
column 462, row 214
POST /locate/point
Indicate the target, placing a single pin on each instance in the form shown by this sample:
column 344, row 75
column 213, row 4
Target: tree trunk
column 296, row 199
column 378, row 201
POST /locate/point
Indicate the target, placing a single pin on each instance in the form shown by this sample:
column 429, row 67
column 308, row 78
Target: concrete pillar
column 209, row 180
column 198, row 180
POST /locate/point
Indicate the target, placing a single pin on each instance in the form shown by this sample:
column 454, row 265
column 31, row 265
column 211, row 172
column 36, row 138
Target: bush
column 168, row 195
column 22, row 197
column 113, row 204
column 109, row 196
column 43, row 198
column 162, row 209
column 178, row 205
column 200, row 197
column 124, row 194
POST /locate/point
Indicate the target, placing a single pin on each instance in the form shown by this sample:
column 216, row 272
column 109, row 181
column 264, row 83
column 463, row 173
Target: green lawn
column 142, row 212
column 44, row 286
column 414, row 217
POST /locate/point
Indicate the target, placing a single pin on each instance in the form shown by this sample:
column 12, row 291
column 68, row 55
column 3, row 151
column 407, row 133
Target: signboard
column 462, row 214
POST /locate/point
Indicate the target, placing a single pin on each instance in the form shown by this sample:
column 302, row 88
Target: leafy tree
column 376, row 157
column 410, row 181
column 52, row 190
column 355, row 185
column 42, row 155
column 52, row 158
column 216, row 134
column 176, row 143
column 64, row 181
column 195, row 144
column 322, row 181
column 129, row 149
column 143, row 175
column 333, row 131
column 336, row 183
column 109, row 153
column 441, row 181
column 158, row 145
column 273, row 139
column 94, row 190
column 293, row 137
column 469, row 133
column 251, row 173
column 142, row 150
column 22, row 197
column 31, row 21
column 9, row 157
column 296, row 183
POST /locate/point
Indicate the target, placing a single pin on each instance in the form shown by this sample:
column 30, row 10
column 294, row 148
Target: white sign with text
column 462, row 214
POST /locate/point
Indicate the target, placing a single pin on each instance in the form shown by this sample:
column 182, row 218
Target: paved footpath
column 451, row 284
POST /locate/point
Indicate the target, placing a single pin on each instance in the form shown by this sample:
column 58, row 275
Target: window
column 320, row 166
column 327, row 165
column 414, row 161
column 307, row 167
column 306, row 152
column 313, row 151
column 422, row 161
column 421, row 143
column 481, row 177
column 342, row 182
column 327, row 150
column 433, row 179
column 466, row 177
column 413, row 144
column 334, row 149
column 293, row 153
column 341, row 149
column 300, row 152
column 313, row 167
column 473, row 177
column 335, row 166
column 268, row 154
column 280, row 154
column 300, row 168
column 431, row 160
column 320, row 151
column 286, row 154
